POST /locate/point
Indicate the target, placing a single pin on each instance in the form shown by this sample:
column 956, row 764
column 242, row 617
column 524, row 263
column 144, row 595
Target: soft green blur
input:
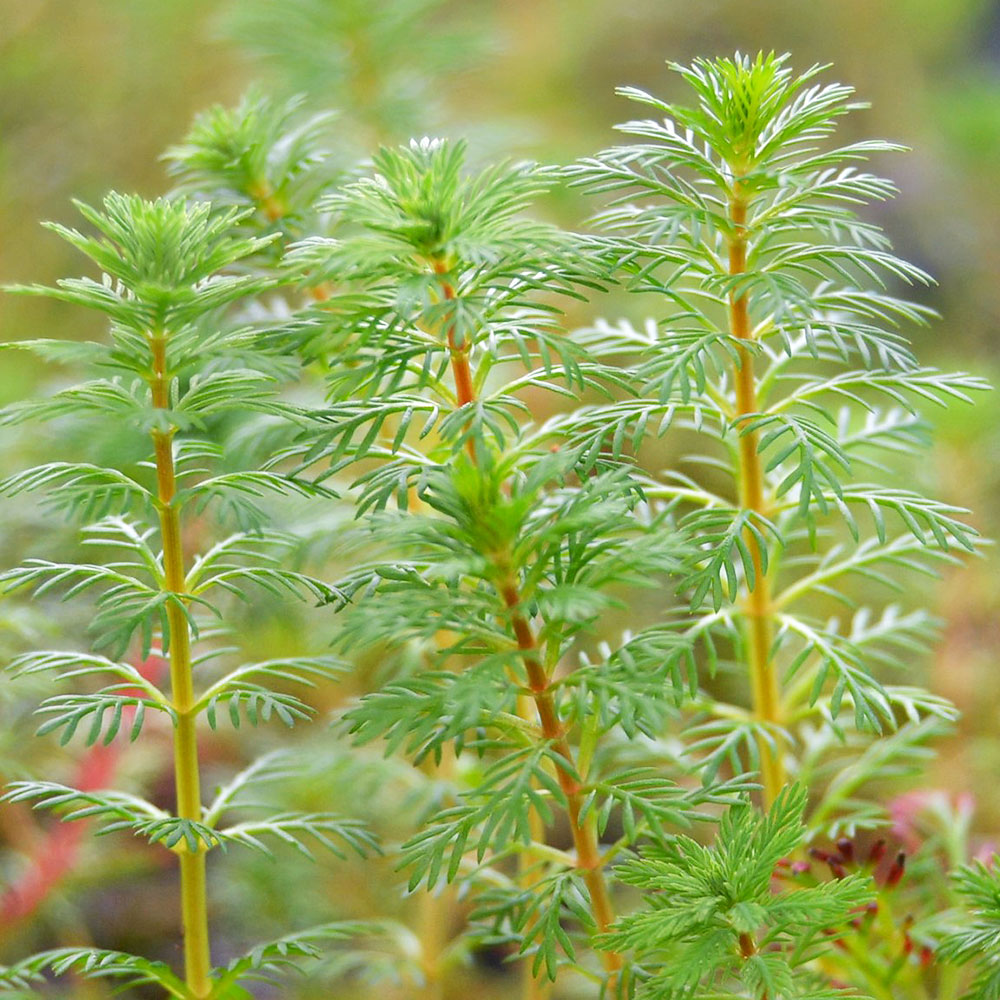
column 92, row 92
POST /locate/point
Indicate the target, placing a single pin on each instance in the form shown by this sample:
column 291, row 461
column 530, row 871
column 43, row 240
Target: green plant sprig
column 739, row 215
column 173, row 366
column 713, row 920
column 504, row 548
column 735, row 213
column 262, row 154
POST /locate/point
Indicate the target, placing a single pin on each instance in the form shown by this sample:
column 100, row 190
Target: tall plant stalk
column 207, row 162
column 187, row 779
column 765, row 693
column 518, row 538
column 583, row 831
column 738, row 212
column 176, row 363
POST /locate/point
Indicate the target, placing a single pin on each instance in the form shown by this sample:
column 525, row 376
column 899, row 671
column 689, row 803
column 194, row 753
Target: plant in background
column 781, row 353
column 174, row 366
column 263, row 155
column 389, row 69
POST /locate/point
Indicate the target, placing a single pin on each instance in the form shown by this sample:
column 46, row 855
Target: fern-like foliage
column 174, row 366
column 491, row 545
column 978, row 943
column 713, row 923
column 783, row 353
column 263, row 155
column 589, row 663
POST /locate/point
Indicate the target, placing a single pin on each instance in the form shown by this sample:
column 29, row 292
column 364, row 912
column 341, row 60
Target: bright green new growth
column 173, row 366
column 713, row 918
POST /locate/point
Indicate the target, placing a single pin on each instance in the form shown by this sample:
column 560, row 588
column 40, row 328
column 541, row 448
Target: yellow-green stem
column 433, row 940
column 194, row 900
column 436, row 910
column 757, row 608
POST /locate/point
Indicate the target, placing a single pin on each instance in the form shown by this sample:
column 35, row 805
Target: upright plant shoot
column 779, row 352
column 174, row 364
column 491, row 544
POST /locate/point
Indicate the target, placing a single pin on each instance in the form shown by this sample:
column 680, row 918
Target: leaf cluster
column 713, row 920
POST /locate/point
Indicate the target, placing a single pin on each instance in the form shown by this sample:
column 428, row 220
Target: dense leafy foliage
column 599, row 677
column 979, row 942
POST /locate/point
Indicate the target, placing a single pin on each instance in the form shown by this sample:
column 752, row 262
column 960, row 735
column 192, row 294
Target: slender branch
column 588, row 855
column 757, row 608
column 465, row 392
column 194, row 902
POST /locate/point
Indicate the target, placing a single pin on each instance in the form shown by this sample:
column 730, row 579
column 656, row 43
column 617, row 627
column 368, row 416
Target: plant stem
column 268, row 202
column 432, row 943
column 436, row 909
column 194, row 902
column 532, row 987
column 757, row 608
column 748, row 948
column 465, row 392
column 588, row 855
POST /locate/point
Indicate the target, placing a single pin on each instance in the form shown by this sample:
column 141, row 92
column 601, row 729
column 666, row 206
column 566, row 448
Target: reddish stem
column 465, row 392
column 588, row 855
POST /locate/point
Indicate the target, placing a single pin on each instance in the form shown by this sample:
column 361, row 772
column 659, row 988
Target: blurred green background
column 93, row 91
